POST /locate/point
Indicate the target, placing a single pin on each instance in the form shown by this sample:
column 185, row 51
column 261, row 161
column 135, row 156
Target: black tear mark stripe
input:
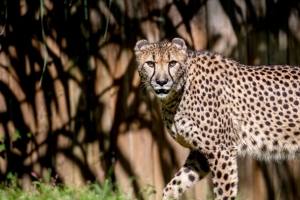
column 153, row 73
column 153, row 56
column 170, row 73
column 169, row 56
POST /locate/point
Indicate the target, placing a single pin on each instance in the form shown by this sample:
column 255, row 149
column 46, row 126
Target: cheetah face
column 161, row 66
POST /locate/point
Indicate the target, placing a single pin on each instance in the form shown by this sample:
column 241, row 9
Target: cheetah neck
column 173, row 101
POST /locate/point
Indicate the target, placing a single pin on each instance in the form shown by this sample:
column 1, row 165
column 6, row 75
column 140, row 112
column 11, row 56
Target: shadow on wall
column 88, row 113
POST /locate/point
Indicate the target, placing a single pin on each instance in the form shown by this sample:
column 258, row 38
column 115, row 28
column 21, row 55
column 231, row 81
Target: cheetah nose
column 161, row 82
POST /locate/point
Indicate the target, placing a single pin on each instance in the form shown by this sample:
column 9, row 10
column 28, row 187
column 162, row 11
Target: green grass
column 52, row 191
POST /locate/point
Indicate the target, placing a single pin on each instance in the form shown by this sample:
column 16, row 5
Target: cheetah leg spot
column 223, row 166
column 194, row 169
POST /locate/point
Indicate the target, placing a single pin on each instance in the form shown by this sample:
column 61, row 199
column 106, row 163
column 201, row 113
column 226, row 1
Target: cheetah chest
column 178, row 128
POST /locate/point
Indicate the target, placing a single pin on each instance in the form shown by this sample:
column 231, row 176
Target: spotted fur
column 220, row 109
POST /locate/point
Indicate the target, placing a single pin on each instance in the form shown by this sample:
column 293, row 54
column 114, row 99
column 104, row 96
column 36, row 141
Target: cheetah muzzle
column 220, row 109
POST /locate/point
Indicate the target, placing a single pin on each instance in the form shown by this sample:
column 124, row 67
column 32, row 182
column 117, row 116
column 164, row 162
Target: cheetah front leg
column 223, row 166
column 194, row 169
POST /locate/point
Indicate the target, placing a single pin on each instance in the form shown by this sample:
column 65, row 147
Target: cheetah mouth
column 162, row 91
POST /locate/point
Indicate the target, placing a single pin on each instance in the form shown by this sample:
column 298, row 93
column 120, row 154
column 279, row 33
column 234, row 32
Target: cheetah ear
column 179, row 42
column 140, row 44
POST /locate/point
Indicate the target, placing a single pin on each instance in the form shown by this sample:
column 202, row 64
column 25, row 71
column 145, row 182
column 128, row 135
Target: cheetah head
column 161, row 66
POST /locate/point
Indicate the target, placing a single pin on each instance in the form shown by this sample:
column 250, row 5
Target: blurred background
column 70, row 96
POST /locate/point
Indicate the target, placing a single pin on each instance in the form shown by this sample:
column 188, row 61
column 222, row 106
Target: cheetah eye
column 150, row 64
column 172, row 63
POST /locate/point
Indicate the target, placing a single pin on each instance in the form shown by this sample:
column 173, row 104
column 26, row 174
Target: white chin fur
column 161, row 96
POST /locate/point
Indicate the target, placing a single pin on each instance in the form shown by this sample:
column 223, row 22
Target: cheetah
column 220, row 109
